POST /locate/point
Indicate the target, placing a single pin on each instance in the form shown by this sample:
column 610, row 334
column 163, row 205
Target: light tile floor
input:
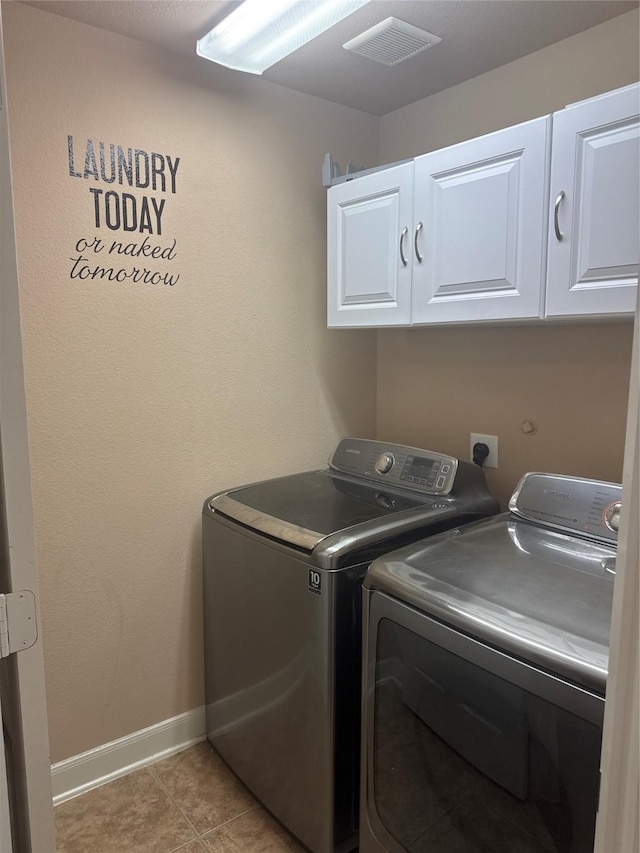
column 190, row 802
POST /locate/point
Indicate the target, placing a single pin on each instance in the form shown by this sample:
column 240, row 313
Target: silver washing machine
column 283, row 566
column 485, row 663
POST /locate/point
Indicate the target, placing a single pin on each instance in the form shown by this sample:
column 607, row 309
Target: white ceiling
column 477, row 35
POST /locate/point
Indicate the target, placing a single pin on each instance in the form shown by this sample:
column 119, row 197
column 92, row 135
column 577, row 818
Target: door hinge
column 18, row 629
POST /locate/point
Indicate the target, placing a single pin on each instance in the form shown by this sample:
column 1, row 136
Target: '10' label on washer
column 315, row 582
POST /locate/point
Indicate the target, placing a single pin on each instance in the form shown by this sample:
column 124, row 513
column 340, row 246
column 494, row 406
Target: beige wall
column 595, row 61
column 437, row 386
column 143, row 399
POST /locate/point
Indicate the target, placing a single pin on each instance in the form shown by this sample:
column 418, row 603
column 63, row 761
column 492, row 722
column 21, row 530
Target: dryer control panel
column 587, row 507
column 395, row 464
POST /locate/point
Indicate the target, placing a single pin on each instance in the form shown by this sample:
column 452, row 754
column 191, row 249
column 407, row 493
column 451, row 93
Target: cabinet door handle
column 419, row 227
column 556, row 212
column 403, row 234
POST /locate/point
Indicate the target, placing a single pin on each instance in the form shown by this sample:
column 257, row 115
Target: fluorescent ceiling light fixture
column 259, row 33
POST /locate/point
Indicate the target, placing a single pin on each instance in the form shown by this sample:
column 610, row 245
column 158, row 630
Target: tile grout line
column 226, row 822
column 199, row 836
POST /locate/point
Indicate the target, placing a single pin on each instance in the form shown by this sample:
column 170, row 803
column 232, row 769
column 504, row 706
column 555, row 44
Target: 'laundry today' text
column 132, row 167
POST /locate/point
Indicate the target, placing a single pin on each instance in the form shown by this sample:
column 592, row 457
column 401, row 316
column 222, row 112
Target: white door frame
column 618, row 826
column 24, row 701
column 6, row 841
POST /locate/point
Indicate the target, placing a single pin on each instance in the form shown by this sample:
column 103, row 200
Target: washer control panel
column 385, row 462
column 395, row 464
column 587, row 507
column 611, row 516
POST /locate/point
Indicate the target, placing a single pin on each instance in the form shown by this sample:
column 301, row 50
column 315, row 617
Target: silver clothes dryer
column 485, row 665
column 283, row 566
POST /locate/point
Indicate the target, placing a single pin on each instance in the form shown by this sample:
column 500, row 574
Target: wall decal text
column 126, row 212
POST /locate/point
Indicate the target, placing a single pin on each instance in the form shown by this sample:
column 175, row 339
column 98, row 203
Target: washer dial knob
column 612, row 516
column 385, row 463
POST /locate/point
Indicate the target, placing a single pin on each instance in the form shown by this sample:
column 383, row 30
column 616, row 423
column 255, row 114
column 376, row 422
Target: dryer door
column 468, row 749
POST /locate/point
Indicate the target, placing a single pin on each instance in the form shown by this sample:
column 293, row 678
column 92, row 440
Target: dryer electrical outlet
column 492, row 443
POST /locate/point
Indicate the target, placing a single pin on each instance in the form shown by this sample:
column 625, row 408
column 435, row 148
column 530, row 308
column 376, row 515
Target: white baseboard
column 81, row 773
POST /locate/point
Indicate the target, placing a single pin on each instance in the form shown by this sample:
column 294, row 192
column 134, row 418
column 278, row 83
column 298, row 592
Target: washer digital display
column 421, row 469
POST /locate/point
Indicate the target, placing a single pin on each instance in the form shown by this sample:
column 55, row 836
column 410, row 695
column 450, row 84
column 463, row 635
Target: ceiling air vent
column 391, row 41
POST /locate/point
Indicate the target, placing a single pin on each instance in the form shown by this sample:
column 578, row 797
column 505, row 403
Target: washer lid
column 540, row 594
column 303, row 509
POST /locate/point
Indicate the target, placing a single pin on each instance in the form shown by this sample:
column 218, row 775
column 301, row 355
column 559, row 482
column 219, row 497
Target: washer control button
column 612, row 516
column 440, row 482
column 385, row 463
column 445, row 469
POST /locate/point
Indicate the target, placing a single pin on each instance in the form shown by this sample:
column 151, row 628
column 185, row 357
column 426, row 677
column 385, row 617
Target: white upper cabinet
column 369, row 249
column 537, row 221
column 594, row 227
column 481, row 209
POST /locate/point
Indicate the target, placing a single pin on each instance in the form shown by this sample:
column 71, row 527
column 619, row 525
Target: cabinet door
column 369, row 249
column 594, row 228
column 482, row 205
